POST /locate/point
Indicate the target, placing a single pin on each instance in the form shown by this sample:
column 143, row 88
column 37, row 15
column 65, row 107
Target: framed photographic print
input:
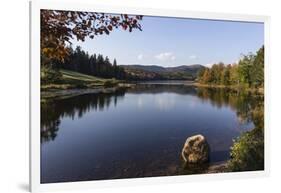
column 126, row 95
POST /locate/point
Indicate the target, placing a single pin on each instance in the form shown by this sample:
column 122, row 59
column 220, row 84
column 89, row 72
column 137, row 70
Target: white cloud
column 165, row 56
column 140, row 57
column 192, row 57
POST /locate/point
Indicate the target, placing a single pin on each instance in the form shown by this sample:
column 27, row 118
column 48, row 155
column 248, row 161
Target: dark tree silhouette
column 95, row 65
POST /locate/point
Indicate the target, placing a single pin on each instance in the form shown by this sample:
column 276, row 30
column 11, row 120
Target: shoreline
column 220, row 167
column 231, row 87
column 57, row 94
column 70, row 92
column 66, row 93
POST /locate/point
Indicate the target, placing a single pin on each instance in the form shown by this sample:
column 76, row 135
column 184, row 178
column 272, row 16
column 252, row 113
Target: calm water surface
column 137, row 132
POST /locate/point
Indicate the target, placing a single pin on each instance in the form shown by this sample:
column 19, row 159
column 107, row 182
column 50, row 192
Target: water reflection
column 243, row 103
column 53, row 110
column 139, row 131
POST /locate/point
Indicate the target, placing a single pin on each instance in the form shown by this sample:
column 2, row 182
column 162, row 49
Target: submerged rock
column 196, row 150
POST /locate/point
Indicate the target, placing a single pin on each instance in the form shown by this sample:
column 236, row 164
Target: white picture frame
column 35, row 7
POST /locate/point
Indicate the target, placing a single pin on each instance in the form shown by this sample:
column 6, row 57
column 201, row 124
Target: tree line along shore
column 82, row 70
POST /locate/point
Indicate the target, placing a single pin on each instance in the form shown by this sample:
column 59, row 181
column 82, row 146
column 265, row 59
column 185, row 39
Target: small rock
column 218, row 168
column 196, row 150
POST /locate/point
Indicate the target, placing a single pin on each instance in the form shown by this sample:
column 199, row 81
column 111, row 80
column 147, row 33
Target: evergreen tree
column 96, row 65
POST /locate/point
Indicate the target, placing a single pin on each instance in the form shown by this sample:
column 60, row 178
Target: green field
column 71, row 80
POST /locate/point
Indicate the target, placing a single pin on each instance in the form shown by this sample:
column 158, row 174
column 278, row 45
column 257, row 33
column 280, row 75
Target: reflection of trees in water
column 52, row 110
column 247, row 153
column 248, row 105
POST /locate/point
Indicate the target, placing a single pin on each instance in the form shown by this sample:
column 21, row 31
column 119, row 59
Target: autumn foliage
column 249, row 72
column 58, row 28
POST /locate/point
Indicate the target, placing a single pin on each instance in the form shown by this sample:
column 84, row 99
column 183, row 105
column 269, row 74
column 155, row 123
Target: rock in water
column 196, row 150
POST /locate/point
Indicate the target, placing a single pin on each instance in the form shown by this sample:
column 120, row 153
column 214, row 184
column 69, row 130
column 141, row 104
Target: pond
column 138, row 131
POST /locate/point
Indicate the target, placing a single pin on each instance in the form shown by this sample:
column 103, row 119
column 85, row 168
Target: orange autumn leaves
column 58, row 28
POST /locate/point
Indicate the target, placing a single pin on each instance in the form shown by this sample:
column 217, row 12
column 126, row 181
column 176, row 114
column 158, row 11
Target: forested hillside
column 98, row 65
column 154, row 72
column 95, row 65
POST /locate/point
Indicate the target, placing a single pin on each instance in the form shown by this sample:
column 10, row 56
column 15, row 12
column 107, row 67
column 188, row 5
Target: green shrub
column 247, row 152
column 49, row 75
column 109, row 83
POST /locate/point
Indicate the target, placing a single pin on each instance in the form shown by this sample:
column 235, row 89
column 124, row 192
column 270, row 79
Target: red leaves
column 59, row 27
column 124, row 26
column 109, row 27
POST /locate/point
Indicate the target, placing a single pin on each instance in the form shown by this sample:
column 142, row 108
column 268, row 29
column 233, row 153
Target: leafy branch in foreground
column 59, row 27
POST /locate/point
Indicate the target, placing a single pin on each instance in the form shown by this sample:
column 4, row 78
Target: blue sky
column 175, row 41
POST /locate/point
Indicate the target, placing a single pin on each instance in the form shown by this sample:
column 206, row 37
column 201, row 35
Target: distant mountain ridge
column 151, row 72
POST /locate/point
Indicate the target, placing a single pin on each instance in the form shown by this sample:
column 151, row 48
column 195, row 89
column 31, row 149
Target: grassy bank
column 75, row 80
column 233, row 87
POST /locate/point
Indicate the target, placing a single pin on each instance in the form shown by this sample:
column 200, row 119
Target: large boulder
column 196, row 150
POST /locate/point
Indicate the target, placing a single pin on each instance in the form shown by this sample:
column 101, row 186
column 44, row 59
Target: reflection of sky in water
column 164, row 102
